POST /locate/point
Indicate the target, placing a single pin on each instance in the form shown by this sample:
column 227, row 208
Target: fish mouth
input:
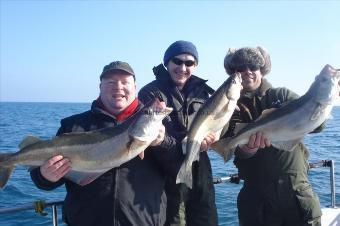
column 238, row 76
column 165, row 111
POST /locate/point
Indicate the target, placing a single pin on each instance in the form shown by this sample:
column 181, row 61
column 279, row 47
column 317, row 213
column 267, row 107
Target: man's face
column 251, row 77
column 181, row 68
column 117, row 91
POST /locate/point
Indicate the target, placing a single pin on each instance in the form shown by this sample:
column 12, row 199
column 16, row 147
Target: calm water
column 17, row 120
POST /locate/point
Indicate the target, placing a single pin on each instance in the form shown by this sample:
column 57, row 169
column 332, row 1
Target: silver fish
column 211, row 117
column 91, row 153
column 285, row 127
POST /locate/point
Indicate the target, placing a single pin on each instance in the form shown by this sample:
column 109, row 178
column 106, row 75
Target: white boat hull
column 330, row 217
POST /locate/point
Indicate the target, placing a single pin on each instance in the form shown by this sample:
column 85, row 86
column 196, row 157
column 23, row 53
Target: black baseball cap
column 117, row 65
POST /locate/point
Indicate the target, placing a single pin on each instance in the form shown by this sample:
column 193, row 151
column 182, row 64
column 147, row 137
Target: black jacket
column 185, row 103
column 132, row 194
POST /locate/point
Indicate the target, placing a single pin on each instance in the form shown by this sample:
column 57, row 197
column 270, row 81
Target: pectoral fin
column 184, row 145
column 221, row 147
column 223, row 111
column 239, row 127
column 83, row 178
column 317, row 113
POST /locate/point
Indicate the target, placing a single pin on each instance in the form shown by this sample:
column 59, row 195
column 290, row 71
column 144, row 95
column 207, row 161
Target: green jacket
column 260, row 169
column 271, row 168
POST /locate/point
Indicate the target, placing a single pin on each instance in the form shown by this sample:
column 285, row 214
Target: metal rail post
column 332, row 179
column 54, row 215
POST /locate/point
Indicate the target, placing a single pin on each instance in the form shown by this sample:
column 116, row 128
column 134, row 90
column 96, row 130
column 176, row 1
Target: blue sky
column 54, row 51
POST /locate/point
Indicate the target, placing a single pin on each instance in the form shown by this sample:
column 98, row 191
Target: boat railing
column 234, row 178
column 40, row 205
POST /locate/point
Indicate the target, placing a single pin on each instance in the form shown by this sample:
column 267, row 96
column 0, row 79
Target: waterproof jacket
column 131, row 194
column 185, row 103
column 272, row 173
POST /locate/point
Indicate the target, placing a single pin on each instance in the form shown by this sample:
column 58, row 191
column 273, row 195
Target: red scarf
column 128, row 111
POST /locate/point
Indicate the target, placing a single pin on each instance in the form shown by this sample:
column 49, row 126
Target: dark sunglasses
column 244, row 67
column 179, row 62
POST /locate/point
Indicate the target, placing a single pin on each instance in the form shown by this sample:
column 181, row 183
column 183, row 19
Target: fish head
column 328, row 81
column 149, row 120
column 233, row 90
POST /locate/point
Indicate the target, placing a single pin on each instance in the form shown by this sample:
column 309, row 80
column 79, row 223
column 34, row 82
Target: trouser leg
column 201, row 207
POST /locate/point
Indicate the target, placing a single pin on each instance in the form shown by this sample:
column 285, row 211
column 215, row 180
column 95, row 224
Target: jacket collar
column 261, row 91
column 163, row 76
column 99, row 108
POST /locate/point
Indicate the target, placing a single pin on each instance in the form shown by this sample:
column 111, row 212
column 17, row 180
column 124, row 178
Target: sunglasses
column 179, row 62
column 244, row 67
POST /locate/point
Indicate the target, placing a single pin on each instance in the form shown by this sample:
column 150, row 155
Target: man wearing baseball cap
column 131, row 194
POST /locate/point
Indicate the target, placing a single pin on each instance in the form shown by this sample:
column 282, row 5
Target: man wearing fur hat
column 276, row 190
column 176, row 85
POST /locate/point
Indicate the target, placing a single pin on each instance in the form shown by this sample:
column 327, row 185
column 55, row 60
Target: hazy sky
column 54, row 51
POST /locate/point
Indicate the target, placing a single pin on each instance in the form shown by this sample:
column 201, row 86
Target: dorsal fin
column 28, row 141
column 239, row 126
column 266, row 112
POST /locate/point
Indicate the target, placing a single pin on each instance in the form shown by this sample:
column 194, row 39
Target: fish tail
column 5, row 170
column 185, row 175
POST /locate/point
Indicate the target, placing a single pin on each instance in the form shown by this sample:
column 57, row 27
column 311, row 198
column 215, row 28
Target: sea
column 17, row 120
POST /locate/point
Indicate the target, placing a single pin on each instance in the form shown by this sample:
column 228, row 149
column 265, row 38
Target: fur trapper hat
column 247, row 55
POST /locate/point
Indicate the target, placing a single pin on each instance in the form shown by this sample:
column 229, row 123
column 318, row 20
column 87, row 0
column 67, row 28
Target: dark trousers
column 278, row 204
column 196, row 206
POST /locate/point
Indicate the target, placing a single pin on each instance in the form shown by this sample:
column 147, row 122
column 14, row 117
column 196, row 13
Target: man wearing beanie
column 131, row 194
column 276, row 191
column 179, row 88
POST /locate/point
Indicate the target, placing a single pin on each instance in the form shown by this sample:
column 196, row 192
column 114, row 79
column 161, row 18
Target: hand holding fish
column 55, row 168
column 256, row 141
column 157, row 141
column 161, row 133
column 207, row 141
column 160, row 137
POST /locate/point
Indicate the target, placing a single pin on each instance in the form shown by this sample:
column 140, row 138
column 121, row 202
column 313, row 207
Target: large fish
column 285, row 127
column 91, row 153
column 211, row 117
